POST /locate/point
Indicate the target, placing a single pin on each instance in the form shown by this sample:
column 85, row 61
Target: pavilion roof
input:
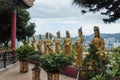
column 19, row 4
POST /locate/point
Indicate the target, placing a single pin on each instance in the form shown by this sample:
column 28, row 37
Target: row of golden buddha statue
column 49, row 41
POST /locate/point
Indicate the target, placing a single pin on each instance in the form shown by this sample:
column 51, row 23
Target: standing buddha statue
column 57, row 43
column 68, row 43
column 79, row 47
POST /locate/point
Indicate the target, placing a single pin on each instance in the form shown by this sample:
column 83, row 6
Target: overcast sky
column 62, row 15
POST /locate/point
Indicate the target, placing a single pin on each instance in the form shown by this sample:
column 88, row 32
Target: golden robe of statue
column 26, row 42
column 79, row 47
column 46, row 44
column 34, row 42
column 57, row 43
column 98, row 41
column 68, row 43
column 50, row 44
column 39, row 45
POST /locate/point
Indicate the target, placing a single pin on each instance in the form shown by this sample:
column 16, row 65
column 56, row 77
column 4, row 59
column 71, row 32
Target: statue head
column 80, row 32
column 67, row 34
column 58, row 34
column 50, row 34
column 96, row 31
column 46, row 35
column 40, row 36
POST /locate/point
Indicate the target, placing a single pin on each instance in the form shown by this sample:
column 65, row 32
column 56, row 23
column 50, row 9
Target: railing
column 7, row 58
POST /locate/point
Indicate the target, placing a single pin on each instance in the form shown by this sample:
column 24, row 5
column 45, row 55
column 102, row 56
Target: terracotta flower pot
column 36, row 73
column 24, row 66
column 115, row 78
column 53, row 76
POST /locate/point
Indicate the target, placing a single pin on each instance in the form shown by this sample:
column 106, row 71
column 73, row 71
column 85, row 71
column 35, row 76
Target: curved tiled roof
column 7, row 4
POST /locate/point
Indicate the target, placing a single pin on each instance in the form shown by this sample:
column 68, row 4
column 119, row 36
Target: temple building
column 14, row 5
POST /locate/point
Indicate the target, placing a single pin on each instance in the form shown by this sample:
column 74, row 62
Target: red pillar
column 13, row 30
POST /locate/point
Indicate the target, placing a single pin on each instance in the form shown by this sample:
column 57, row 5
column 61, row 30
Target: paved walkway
column 13, row 73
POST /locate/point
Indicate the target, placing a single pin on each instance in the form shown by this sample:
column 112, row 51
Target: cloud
column 56, row 9
column 52, row 9
column 54, row 15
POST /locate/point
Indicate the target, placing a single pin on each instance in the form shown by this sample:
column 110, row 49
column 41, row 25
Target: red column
column 13, row 30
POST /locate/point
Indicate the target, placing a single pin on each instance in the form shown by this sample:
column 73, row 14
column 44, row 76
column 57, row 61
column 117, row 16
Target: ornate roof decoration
column 19, row 4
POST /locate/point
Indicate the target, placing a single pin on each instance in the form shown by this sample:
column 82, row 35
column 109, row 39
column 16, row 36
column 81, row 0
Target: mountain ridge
column 89, row 37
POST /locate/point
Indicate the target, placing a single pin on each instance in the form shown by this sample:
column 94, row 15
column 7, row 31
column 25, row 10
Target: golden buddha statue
column 34, row 42
column 28, row 41
column 79, row 47
column 39, row 45
column 24, row 42
column 50, row 43
column 46, row 44
column 57, row 43
column 68, row 43
column 98, row 41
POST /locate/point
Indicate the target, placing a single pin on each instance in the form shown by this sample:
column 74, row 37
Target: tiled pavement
column 12, row 73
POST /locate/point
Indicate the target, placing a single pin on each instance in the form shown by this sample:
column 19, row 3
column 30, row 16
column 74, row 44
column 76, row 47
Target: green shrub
column 115, row 62
column 93, row 63
column 55, row 62
column 23, row 51
column 34, row 56
column 99, row 77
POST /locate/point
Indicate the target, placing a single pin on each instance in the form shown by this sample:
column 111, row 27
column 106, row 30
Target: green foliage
column 5, row 26
column 93, row 63
column 115, row 62
column 23, row 51
column 116, row 50
column 30, row 29
column 113, row 72
column 111, row 8
column 33, row 53
column 55, row 62
column 34, row 56
column 99, row 77
column 23, row 28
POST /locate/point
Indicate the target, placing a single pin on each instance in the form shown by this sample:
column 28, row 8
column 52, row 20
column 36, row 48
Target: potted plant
column 34, row 58
column 52, row 63
column 22, row 53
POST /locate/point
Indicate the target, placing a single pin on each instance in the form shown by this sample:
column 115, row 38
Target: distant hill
column 104, row 36
column 89, row 37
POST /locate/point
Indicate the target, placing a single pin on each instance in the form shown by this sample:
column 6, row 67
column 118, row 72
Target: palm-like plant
column 99, row 77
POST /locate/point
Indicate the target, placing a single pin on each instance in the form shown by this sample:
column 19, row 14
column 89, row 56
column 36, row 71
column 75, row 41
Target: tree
column 24, row 32
column 5, row 26
column 112, row 8
column 24, row 29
